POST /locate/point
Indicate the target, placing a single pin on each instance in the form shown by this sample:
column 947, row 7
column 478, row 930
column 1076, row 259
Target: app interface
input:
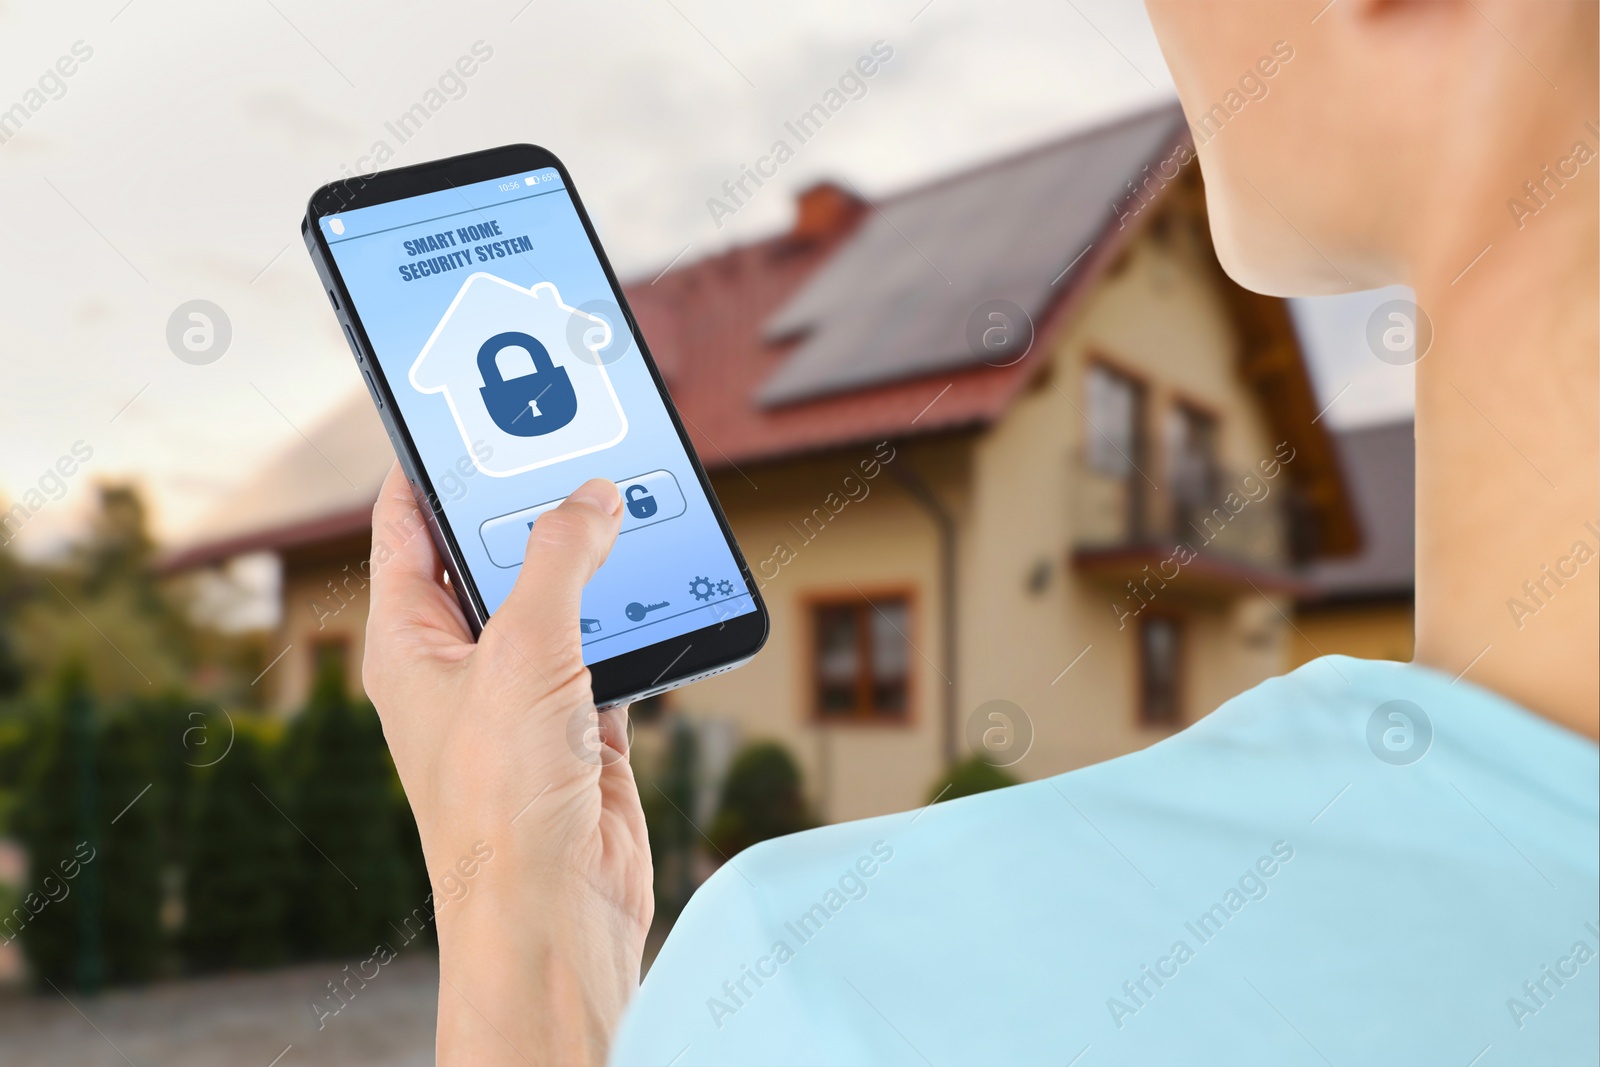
column 519, row 379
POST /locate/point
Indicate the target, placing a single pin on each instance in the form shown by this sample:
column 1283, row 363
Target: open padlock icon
column 641, row 505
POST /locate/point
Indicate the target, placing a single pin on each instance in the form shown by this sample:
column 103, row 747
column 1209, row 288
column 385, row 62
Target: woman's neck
column 1508, row 455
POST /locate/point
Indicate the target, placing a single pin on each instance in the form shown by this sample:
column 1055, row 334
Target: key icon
column 637, row 611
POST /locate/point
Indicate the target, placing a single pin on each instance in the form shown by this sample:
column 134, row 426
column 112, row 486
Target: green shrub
column 236, row 891
column 129, row 836
column 340, row 795
column 761, row 799
column 968, row 778
column 668, row 798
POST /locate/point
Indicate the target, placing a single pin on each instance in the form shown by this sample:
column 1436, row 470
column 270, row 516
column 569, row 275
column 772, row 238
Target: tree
column 59, row 921
column 761, row 798
column 129, row 832
column 667, row 800
column 340, row 795
column 238, row 882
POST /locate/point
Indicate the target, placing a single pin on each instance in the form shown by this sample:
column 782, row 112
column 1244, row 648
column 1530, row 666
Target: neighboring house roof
column 852, row 327
column 1380, row 463
column 321, row 487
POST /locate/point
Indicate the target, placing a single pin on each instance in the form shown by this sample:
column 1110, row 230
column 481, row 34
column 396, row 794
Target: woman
column 1359, row 862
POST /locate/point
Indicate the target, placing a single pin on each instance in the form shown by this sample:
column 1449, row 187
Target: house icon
column 468, row 360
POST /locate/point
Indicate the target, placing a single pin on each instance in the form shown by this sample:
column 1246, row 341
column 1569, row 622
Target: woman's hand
column 526, row 804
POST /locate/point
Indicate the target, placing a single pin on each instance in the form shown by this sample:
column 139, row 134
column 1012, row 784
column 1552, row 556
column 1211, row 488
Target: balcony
column 1211, row 537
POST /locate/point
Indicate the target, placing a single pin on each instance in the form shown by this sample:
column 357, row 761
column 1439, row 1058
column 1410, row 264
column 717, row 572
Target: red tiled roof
column 703, row 323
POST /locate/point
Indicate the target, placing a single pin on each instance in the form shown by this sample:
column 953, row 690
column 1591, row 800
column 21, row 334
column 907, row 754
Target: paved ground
column 242, row 1020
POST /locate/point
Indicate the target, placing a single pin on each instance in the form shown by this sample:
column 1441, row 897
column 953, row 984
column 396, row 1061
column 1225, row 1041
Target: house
column 1019, row 469
column 1362, row 606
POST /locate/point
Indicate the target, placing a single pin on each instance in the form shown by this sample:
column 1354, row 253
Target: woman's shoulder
column 1003, row 926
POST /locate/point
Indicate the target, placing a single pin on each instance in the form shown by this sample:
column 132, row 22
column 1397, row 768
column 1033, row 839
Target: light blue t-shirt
column 1358, row 863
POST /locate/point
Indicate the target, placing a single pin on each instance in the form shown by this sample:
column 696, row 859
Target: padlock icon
column 641, row 505
column 530, row 404
column 535, row 391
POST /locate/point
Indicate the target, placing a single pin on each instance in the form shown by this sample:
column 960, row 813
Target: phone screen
column 518, row 379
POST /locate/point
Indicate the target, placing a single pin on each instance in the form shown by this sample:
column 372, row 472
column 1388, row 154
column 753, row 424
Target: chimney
column 824, row 211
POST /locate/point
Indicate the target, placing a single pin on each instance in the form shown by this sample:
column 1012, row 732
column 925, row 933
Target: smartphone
column 507, row 368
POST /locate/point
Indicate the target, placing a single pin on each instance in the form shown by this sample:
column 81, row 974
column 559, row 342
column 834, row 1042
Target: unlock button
column 641, row 505
column 648, row 499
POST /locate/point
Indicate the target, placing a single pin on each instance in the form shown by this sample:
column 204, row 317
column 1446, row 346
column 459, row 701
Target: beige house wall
column 1368, row 631
column 1158, row 317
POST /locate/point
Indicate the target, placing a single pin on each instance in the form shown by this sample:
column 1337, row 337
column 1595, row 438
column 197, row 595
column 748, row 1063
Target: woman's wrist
column 553, row 990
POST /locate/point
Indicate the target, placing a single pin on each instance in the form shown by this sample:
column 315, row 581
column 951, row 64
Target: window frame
column 1141, row 710
column 1182, row 406
column 1144, row 395
column 861, row 598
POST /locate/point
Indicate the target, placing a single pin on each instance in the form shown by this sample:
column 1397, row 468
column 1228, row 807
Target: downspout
column 945, row 524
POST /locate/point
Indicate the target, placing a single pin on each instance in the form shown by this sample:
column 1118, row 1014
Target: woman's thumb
column 566, row 546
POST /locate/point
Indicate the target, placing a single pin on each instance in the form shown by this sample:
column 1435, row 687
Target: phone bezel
column 643, row 672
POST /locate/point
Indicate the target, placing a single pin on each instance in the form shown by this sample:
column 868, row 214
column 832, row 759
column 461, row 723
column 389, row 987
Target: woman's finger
column 407, row 586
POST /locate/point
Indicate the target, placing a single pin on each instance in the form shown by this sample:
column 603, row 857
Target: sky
column 174, row 164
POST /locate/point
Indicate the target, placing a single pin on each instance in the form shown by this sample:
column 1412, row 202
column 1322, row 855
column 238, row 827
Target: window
column 1115, row 411
column 861, row 659
column 1191, row 440
column 1160, row 662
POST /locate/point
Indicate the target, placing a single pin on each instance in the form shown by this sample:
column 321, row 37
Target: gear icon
column 700, row 588
column 725, row 587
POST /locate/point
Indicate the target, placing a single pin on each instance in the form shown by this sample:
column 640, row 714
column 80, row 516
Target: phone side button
column 349, row 335
column 372, row 387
